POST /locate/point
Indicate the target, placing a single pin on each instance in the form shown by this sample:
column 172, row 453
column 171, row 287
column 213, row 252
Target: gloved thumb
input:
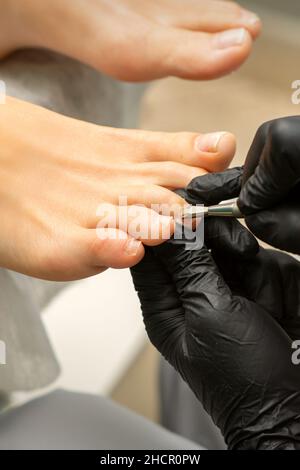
column 161, row 306
column 222, row 235
column 213, row 188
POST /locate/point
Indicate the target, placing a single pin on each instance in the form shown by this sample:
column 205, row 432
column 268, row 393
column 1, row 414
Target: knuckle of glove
column 215, row 187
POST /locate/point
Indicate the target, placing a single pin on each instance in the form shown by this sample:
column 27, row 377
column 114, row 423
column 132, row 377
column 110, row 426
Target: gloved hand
column 270, row 197
column 228, row 348
column 271, row 278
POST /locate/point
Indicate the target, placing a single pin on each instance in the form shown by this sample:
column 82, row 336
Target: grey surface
column 182, row 413
column 68, row 87
column 30, row 360
column 73, row 89
column 71, row 421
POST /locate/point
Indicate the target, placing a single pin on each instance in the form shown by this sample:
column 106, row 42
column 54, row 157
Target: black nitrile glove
column 222, row 234
column 270, row 197
column 272, row 278
column 232, row 353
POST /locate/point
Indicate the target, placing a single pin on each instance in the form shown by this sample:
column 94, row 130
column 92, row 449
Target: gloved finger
column 195, row 272
column 222, row 234
column 213, row 188
column 272, row 280
column 161, row 306
column 272, row 166
column 279, row 228
column 229, row 236
column 258, row 279
column 279, row 157
column 256, row 150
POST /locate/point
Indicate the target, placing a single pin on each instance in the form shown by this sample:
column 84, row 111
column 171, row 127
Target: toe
column 214, row 16
column 209, row 152
column 201, row 56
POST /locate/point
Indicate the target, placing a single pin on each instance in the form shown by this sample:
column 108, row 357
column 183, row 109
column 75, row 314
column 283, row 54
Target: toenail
column 230, row 38
column 209, row 142
column 250, row 18
column 132, row 246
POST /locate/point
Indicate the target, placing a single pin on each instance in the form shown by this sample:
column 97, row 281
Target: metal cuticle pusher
column 227, row 209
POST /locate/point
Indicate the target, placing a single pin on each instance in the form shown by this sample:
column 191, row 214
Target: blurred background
column 97, row 331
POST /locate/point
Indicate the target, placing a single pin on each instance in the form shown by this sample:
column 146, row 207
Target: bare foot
column 136, row 40
column 56, row 171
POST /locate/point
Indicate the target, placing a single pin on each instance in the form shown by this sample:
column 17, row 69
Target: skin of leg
column 195, row 39
column 55, row 173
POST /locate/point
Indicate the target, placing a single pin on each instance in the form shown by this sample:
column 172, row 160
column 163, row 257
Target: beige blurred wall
column 259, row 91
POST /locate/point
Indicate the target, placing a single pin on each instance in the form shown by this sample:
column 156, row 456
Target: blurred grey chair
column 183, row 414
column 64, row 420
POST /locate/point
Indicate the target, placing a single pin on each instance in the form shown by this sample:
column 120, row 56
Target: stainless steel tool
column 227, row 209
